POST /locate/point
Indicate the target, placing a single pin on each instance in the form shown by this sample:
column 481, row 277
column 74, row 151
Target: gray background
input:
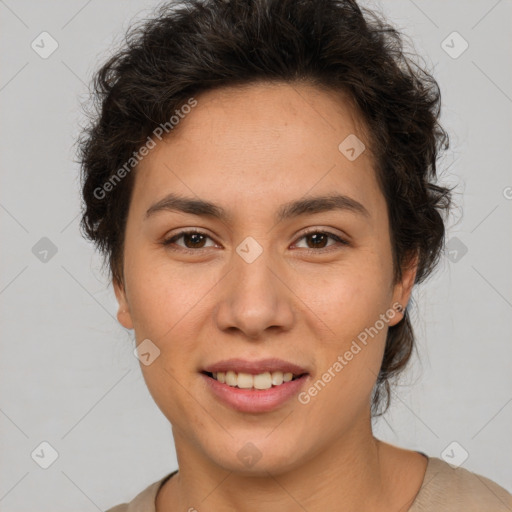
column 68, row 374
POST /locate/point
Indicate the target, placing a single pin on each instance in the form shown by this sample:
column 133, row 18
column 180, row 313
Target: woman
column 261, row 177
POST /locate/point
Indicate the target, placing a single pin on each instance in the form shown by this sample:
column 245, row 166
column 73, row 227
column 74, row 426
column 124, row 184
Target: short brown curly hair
column 199, row 45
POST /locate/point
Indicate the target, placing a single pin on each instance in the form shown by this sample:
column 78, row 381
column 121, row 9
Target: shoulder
column 446, row 488
column 145, row 500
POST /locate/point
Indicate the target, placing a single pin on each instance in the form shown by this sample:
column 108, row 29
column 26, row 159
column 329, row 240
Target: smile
column 260, row 393
column 241, row 380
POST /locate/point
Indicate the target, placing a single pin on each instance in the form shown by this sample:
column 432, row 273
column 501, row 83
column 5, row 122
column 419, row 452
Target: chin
column 257, row 455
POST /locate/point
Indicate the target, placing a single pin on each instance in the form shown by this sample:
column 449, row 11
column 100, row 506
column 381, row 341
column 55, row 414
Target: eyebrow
column 308, row 206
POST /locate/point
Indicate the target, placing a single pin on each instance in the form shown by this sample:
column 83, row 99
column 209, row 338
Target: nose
column 255, row 298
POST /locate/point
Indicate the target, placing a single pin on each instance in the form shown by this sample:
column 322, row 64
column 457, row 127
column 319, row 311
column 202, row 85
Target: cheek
column 162, row 295
column 349, row 302
column 348, row 297
column 348, row 360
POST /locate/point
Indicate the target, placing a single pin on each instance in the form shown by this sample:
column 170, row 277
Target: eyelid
column 328, row 231
column 341, row 239
column 168, row 240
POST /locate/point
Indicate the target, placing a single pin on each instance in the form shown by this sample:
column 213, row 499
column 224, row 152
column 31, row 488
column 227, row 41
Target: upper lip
column 255, row 367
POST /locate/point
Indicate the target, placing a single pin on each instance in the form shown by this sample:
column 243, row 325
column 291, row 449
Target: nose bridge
column 254, row 298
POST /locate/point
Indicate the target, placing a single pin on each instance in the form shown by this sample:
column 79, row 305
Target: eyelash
column 169, row 241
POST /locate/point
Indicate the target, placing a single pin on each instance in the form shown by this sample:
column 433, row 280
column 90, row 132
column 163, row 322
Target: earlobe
column 123, row 312
column 402, row 290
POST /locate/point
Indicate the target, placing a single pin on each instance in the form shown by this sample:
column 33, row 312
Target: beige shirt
column 444, row 489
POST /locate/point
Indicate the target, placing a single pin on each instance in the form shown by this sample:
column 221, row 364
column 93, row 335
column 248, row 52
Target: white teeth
column 262, row 381
column 231, row 378
column 247, row 381
column 277, row 378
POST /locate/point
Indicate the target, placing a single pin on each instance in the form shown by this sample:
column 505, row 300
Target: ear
column 402, row 290
column 123, row 313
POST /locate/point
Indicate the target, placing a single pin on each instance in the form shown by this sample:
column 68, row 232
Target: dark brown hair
column 194, row 46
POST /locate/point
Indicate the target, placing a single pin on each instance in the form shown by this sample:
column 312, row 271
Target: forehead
column 238, row 119
column 266, row 141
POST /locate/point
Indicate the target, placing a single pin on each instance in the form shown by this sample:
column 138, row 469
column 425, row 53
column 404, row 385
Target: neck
column 350, row 474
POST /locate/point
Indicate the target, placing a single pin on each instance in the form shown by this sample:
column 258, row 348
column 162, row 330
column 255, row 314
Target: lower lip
column 255, row 400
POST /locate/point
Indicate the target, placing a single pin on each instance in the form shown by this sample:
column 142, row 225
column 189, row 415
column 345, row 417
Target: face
column 309, row 284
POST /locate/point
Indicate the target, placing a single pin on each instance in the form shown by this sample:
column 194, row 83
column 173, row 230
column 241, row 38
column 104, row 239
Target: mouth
column 260, row 381
column 260, row 393
column 256, row 386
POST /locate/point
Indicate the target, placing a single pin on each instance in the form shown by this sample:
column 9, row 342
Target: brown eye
column 191, row 239
column 318, row 240
column 196, row 240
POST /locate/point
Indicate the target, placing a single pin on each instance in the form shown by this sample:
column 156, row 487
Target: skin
column 250, row 150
